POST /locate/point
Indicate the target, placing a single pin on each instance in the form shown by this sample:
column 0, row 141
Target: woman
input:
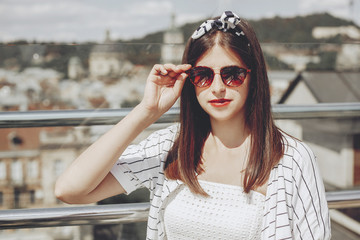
column 226, row 171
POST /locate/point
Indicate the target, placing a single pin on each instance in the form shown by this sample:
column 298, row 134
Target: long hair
column 266, row 148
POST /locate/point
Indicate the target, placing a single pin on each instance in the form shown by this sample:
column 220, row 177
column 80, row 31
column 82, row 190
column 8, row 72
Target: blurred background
column 76, row 55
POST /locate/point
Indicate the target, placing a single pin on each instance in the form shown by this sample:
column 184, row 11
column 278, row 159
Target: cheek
column 245, row 88
column 201, row 98
column 200, row 93
column 243, row 91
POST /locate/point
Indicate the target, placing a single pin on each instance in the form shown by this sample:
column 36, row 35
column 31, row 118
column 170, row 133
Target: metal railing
column 112, row 116
column 125, row 213
column 118, row 213
column 74, row 216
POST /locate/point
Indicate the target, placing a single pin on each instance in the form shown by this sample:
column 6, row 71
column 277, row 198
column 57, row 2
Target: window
column 15, row 140
column 58, row 167
column 33, row 169
column 16, row 172
column 1, row 199
column 32, row 196
column 2, row 170
column 16, row 198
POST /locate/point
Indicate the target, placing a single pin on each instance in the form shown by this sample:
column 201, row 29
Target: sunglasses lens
column 233, row 76
column 201, row 76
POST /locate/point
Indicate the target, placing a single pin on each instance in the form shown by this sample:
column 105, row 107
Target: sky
column 87, row 20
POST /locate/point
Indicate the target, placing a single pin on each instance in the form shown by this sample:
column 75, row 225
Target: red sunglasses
column 232, row 76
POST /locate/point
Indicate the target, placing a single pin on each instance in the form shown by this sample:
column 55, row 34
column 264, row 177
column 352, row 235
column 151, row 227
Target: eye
column 201, row 76
column 233, row 75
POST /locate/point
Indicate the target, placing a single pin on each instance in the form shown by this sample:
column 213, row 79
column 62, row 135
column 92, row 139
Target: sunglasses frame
column 213, row 75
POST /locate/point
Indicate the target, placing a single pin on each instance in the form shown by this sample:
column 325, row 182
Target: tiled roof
column 328, row 86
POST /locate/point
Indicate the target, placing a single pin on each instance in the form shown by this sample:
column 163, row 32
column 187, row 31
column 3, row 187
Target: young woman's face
column 220, row 101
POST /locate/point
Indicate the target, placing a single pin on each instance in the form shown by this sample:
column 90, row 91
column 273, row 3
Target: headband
column 226, row 22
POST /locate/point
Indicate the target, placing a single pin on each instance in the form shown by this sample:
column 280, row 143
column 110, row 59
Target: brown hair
column 184, row 159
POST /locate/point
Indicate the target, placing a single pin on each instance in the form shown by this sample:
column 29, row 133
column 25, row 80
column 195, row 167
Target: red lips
column 220, row 102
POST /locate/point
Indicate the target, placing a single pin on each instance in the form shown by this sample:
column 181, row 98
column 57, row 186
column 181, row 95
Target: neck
column 231, row 133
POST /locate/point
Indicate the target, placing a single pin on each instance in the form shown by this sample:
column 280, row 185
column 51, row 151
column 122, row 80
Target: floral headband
column 227, row 21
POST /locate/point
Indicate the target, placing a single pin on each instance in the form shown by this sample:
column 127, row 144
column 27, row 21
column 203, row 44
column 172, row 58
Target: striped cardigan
column 295, row 205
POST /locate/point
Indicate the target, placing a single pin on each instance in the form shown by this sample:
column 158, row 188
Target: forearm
column 85, row 179
column 92, row 166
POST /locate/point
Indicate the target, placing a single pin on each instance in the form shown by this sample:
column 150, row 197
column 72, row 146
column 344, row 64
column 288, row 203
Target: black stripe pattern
column 295, row 205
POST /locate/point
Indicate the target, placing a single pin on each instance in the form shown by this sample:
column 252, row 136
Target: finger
column 177, row 68
column 173, row 74
column 182, row 77
column 184, row 67
column 160, row 80
column 172, row 70
column 181, row 68
column 159, row 69
column 179, row 83
column 169, row 66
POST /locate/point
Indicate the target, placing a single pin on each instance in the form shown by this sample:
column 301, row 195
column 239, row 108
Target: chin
column 221, row 117
column 225, row 116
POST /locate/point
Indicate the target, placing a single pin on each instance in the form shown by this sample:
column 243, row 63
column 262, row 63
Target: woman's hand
column 163, row 87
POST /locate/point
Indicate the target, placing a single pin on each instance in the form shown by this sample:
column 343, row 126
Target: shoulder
column 157, row 143
column 163, row 135
column 170, row 131
column 297, row 151
column 299, row 158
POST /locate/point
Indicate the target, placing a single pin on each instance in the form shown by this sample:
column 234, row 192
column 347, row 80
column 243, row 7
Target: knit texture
column 228, row 213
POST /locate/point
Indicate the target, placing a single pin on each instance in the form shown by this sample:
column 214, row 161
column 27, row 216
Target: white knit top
column 228, row 213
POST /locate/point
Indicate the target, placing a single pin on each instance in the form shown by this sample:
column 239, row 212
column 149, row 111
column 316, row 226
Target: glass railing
column 125, row 213
column 112, row 75
column 56, row 99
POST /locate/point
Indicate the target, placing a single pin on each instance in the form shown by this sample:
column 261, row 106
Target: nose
column 217, row 86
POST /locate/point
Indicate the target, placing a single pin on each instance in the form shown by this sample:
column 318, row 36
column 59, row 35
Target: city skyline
column 75, row 21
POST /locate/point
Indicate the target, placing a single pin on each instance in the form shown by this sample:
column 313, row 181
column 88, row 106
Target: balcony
column 53, row 138
column 137, row 212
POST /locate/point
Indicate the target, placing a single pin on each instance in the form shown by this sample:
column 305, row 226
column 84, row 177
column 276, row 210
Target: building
column 107, row 61
column 32, row 89
column 336, row 142
column 172, row 48
column 351, row 32
column 31, row 159
column 279, row 82
column 75, row 69
column 20, row 168
column 294, row 56
column 348, row 57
